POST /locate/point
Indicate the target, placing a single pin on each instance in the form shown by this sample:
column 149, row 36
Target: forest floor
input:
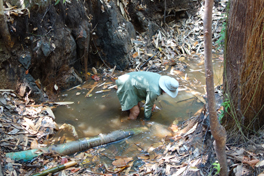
column 26, row 125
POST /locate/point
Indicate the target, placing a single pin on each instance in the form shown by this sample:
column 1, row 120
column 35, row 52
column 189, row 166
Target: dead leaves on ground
column 122, row 161
column 25, row 126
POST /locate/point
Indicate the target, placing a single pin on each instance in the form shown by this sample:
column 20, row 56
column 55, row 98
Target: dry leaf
column 56, row 87
column 121, row 162
column 53, row 45
column 195, row 43
column 181, row 58
column 221, row 57
column 30, row 123
column 95, row 77
column 14, row 131
column 191, row 130
column 174, row 128
column 135, row 55
column 180, row 171
column 259, row 164
column 34, row 144
column 64, row 160
column 201, row 63
column 50, row 112
column 9, row 160
column 94, row 71
column 178, row 72
column 144, row 157
column 252, row 163
column 38, row 83
column 70, row 128
column 75, row 170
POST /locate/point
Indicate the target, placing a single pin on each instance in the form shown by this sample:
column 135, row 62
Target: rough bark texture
column 244, row 66
column 4, row 28
column 218, row 130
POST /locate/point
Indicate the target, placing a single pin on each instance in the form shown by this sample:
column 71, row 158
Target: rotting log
column 76, row 146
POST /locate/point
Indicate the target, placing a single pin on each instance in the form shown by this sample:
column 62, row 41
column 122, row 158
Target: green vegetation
column 221, row 40
column 57, row 2
column 226, row 105
column 217, row 167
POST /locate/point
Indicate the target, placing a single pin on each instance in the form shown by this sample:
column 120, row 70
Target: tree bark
column 4, row 28
column 217, row 130
column 244, row 65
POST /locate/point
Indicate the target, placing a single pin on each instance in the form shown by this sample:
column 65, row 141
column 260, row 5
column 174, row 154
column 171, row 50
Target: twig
column 113, row 71
column 148, row 60
column 45, row 13
column 91, row 90
column 140, row 147
column 74, row 87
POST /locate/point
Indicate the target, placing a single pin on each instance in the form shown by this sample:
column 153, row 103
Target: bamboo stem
column 76, row 146
column 56, row 169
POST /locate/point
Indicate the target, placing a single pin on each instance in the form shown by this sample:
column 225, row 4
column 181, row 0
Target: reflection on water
column 101, row 113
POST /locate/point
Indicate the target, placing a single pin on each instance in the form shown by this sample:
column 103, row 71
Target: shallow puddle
column 101, row 113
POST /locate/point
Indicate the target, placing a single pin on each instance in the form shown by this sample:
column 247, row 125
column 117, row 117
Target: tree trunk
column 4, row 28
column 244, row 65
column 217, row 130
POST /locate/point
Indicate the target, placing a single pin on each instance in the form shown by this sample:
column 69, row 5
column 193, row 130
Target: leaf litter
column 188, row 151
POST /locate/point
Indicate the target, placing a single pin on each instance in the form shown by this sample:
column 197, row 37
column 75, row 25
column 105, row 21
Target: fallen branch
column 76, row 146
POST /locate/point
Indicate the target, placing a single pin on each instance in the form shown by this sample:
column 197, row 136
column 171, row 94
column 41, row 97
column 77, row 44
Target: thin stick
column 91, row 89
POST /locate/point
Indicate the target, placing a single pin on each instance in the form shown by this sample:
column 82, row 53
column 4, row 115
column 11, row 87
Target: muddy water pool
column 101, row 113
